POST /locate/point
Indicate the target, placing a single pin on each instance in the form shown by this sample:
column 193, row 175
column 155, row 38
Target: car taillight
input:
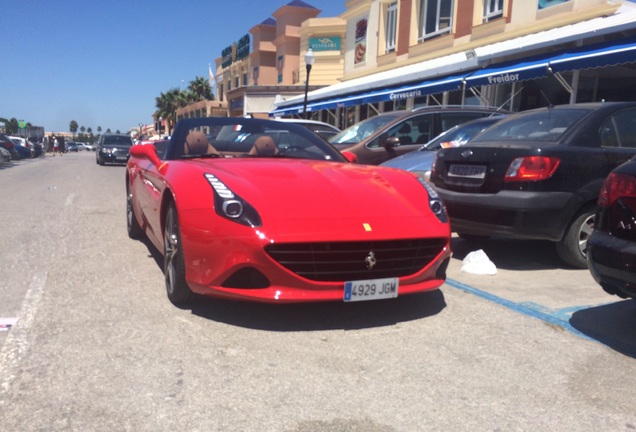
column 531, row 168
column 617, row 186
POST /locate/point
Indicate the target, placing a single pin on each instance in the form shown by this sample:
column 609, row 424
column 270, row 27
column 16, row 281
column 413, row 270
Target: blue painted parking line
column 534, row 310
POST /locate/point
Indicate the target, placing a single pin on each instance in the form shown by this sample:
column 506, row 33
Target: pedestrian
column 56, row 147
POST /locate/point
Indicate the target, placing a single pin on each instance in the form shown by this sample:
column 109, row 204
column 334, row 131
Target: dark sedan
column 611, row 249
column 9, row 145
column 113, row 148
column 537, row 174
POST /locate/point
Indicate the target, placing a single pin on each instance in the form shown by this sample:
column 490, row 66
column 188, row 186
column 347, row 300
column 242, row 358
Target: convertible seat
column 264, row 146
column 197, row 143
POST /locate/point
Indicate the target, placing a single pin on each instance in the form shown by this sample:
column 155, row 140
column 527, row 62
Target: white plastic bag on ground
column 477, row 262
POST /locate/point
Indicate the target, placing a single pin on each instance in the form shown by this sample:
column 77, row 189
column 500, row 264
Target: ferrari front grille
column 345, row 261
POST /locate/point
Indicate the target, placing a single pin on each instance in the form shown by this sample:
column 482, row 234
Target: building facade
column 514, row 54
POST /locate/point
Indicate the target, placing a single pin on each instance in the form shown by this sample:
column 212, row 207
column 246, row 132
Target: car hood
column 413, row 161
column 295, row 196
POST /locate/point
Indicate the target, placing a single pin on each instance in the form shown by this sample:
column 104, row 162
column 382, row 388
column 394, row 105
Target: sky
column 103, row 63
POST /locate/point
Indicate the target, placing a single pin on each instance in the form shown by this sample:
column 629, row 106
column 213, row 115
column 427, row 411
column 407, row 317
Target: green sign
column 21, row 124
column 327, row 43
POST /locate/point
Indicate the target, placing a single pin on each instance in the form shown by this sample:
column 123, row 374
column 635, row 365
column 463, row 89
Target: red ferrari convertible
column 267, row 211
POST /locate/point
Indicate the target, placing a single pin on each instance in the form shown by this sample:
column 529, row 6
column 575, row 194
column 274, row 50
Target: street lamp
column 309, row 62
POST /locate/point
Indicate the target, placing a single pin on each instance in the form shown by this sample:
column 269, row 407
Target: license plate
column 372, row 289
column 469, row 171
column 121, row 158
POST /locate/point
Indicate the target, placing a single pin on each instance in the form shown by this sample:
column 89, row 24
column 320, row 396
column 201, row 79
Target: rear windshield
column 544, row 126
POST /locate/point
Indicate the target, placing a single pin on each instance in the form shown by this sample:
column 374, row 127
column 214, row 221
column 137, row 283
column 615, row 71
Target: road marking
column 17, row 342
column 69, row 200
column 534, row 310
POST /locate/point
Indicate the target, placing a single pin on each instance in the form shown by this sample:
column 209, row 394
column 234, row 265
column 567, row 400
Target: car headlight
column 231, row 206
column 434, row 201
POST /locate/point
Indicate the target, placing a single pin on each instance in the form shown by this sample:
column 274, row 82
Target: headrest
column 196, row 143
column 264, row 146
column 405, row 128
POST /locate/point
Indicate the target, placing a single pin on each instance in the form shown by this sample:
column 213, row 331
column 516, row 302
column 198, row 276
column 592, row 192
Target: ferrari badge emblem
column 370, row 261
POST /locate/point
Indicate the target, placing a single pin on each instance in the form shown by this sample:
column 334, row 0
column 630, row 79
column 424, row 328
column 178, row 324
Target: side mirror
column 146, row 151
column 352, row 157
column 392, row 142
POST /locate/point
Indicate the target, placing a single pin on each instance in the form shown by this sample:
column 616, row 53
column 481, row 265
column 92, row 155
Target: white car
column 325, row 130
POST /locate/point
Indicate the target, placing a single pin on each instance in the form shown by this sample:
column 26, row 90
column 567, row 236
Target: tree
column 72, row 127
column 167, row 105
column 200, row 89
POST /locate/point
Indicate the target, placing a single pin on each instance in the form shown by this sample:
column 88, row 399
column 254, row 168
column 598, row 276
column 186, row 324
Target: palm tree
column 167, row 105
column 200, row 89
column 72, row 127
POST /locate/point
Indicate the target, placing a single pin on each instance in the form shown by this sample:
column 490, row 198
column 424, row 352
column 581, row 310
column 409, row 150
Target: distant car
column 537, row 174
column 385, row 136
column 90, row 146
column 113, row 148
column 72, row 147
column 81, row 146
column 611, row 249
column 5, row 156
column 23, row 147
column 24, row 152
column 281, row 221
column 323, row 129
column 9, row 145
column 421, row 160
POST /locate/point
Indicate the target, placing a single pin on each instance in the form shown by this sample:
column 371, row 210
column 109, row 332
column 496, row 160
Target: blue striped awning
column 421, row 88
column 599, row 55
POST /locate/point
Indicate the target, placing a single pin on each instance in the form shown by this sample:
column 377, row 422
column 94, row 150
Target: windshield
column 117, row 139
column 233, row 137
column 541, row 126
column 360, row 131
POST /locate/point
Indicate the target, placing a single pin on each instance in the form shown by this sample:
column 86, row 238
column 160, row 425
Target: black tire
column 571, row 248
column 134, row 229
column 173, row 261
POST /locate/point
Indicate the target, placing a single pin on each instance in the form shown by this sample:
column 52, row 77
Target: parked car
column 385, row 136
column 537, row 174
column 72, row 147
column 611, row 249
column 323, row 129
column 38, row 150
column 24, row 152
column 281, row 221
column 22, row 146
column 90, row 146
column 421, row 160
column 113, row 148
column 5, row 156
column 9, row 145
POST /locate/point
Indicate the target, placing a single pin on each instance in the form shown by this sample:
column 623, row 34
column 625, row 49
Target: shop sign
column 327, row 43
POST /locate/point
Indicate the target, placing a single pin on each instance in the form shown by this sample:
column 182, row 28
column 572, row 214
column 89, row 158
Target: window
column 493, row 9
column 391, row 26
column 619, row 130
column 435, row 18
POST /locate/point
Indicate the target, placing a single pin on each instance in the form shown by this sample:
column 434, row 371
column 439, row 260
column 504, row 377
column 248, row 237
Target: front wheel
column 134, row 229
column 173, row 261
column 572, row 247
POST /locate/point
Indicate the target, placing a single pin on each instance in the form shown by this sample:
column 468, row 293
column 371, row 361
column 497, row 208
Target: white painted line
column 17, row 341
